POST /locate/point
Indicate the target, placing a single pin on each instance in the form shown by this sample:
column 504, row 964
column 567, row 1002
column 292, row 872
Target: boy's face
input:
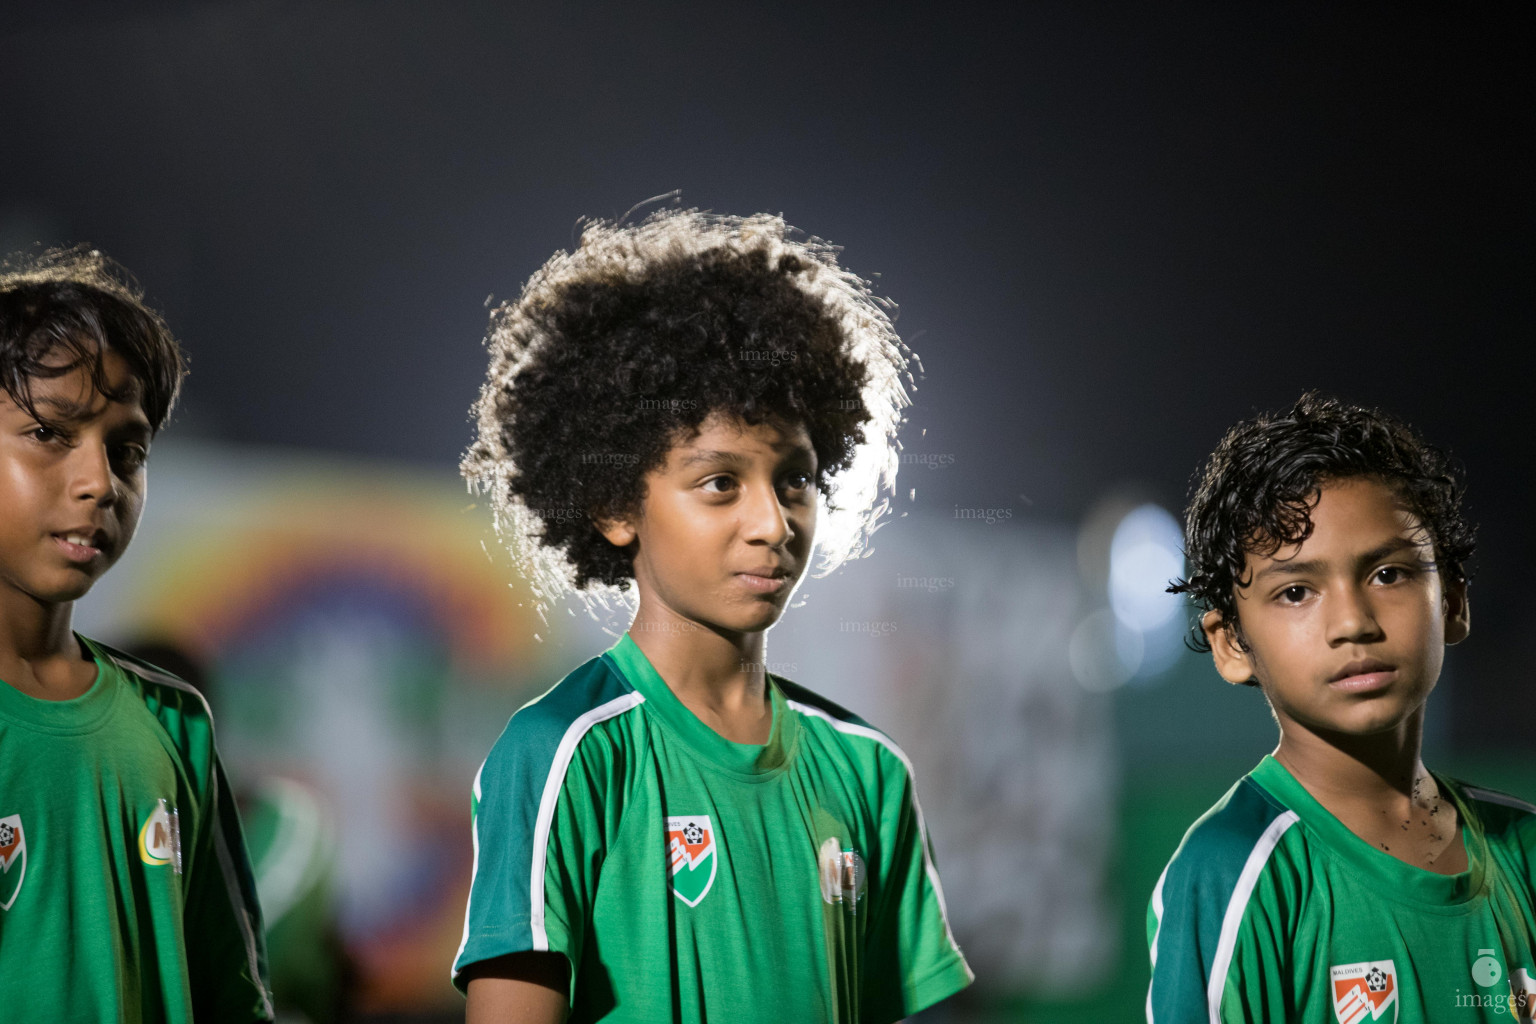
column 72, row 488
column 1347, row 630
column 726, row 526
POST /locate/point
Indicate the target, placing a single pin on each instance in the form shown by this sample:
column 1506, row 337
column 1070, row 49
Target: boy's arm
column 521, row 988
column 226, row 952
column 913, row 961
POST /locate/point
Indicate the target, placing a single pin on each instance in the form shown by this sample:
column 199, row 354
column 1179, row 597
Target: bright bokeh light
column 1145, row 554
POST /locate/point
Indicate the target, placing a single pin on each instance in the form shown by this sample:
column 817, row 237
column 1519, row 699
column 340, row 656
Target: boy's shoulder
column 837, row 722
column 1233, row 839
column 811, row 704
column 167, row 695
column 1493, row 802
column 1502, row 816
column 563, row 715
column 180, row 711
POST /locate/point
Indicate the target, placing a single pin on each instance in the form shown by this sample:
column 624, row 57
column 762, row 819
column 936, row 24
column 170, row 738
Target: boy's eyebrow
column 139, row 428
column 717, row 456
column 64, row 409
column 67, row 411
column 712, row 455
column 1376, row 554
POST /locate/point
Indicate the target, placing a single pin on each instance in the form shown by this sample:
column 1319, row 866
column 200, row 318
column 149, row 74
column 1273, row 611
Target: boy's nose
column 91, row 476
column 1351, row 619
column 765, row 519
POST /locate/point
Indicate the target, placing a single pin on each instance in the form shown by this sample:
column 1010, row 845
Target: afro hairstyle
column 618, row 351
column 78, row 303
column 1257, row 492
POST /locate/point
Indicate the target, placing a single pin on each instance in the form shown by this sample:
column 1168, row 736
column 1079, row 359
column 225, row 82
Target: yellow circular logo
column 160, row 838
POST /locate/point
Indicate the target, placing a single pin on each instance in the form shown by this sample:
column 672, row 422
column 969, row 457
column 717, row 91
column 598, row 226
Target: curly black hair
column 615, row 353
column 1257, row 492
column 78, row 303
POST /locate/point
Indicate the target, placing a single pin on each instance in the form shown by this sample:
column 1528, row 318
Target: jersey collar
column 82, row 714
column 1396, row 879
column 751, row 761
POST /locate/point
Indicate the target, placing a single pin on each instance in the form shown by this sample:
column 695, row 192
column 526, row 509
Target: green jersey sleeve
column 1218, row 925
column 225, row 958
column 909, row 942
column 547, row 802
column 225, row 952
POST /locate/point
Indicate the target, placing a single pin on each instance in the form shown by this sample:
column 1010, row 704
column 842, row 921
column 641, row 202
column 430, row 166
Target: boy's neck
column 1379, row 788
column 1355, row 767
column 39, row 655
column 719, row 676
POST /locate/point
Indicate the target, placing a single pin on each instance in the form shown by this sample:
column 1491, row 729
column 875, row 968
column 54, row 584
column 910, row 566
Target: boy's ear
column 619, row 532
column 1234, row 664
column 1454, row 605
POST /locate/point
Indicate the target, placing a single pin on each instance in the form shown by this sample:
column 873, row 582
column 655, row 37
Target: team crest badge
column 160, row 838
column 1365, row 992
column 695, row 858
column 13, row 859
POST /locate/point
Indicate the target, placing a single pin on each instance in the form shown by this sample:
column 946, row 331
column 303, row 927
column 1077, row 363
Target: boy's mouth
column 1362, row 675
column 82, row 545
column 765, row 579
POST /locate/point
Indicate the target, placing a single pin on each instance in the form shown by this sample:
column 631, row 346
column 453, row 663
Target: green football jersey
column 125, row 892
column 1272, row 910
column 689, row 878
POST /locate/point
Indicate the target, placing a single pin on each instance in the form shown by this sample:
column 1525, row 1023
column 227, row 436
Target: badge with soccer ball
column 13, row 859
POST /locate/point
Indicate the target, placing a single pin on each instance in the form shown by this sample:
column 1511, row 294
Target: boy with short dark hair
column 1340, row 879
column 125, row 892
column 672, row 833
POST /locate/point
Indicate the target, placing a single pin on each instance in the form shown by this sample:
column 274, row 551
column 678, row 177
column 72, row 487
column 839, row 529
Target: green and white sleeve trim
column 1238, row 905
column 551, row 796
column 1489, row 796
column 474, row 871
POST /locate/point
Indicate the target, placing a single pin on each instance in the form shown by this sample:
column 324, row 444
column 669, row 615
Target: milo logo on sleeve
column 160, row 838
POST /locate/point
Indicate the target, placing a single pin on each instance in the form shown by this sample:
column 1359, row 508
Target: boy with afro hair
column 1340, row 879
column 125, row 889
column 672, row 832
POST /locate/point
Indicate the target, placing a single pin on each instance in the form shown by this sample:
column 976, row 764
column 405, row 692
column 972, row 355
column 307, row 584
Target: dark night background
column 1112, row 230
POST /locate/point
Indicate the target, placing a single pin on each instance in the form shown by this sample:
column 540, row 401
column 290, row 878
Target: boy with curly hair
column 1328, row 549
column 125, row 890
column 671, row 832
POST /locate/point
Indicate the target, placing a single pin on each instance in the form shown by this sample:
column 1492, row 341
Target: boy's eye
column 719, row 485
column 1390, row 574
column 45, row 435
column 130, row 458
column 1294, row 594
column 797, row 481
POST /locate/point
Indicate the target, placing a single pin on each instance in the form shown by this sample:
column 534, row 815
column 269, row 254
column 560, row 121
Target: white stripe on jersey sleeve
column 552, row 785
column 150, row 673
column 1236, row 906
column 236, row 897
column 1488, row 796
column 1157, row 912
column 474, row 835
column 922, row 827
